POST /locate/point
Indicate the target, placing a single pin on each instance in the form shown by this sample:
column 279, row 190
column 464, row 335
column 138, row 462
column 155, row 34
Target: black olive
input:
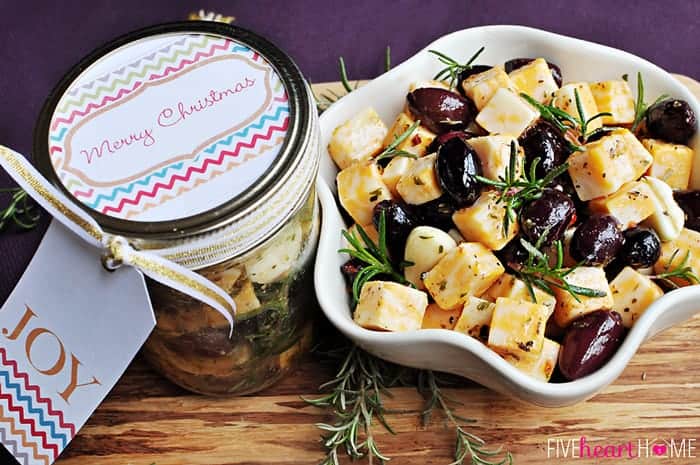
column 544, row 141
column 671, row 120
column 442, row 138
column 516, row 63
column 456, row 167
column 436, row 213
column 513, row 255
column 471, row 71
column 440, row 110
column 689, row 201
column 399, row 223
column 642, row 248
column 550, row 214
column 597, row 240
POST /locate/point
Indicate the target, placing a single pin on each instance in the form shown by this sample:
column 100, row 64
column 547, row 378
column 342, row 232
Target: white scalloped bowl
column 450, row 351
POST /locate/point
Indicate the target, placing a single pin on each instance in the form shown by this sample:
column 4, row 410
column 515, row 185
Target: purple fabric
column 39, row 41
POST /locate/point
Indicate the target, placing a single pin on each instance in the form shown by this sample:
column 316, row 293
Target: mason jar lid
column 182, row 137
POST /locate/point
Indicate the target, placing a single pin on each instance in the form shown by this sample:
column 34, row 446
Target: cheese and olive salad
column 539, row 217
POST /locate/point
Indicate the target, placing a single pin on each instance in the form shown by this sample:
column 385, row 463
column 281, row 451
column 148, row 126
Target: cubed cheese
column 358, row 139
column 630, row 205
column 482, row 87
column 416, row 143
column 389, row 306
column 632, row 293
column 397, row 167
column 535, row 79
column 483, row 221
column 467, row 270
column 246, row 299
column 674, row 252
column 276, row 260
column 668, row 218
column 513, row 288
column 425, row 247
column 517, row 327
column 614, row 97
column 565, row 99
column 608, row 163
column 672, row 163
column 571, row 307
column 420, row 185
column 494, row 155
column 475, row 319
column 540, row 366
column 506, row 113
column 430, row 83
column 439, row 318
column 360, row 188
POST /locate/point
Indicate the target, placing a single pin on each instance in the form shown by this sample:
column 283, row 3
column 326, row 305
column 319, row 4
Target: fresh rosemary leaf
column 641, row 108
column 682, row 271
column 452, row 67
column 20, row 211
column 387, row 59
column 392, row 149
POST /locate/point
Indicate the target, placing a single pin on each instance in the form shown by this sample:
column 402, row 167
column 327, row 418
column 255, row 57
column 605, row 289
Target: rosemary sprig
column 392, row 149
column 517, row 190
column 452, row 67
column 21, row 211
column 681, row 271
column 641, row 108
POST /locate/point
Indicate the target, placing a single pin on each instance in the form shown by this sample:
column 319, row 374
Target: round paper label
column 169, row 127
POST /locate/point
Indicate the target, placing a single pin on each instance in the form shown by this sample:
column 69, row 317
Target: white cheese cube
column 358, row 139
column 517, row 327
column 388, row 306
column 494, row 155
column 246, row 299
column 397, row 168
column 569, row 307
column 506, row 113
column 630, row 205
column 565, row 99
column 632, row 293
column 420, row 185
column 439, row 318
column 672, row 164
column 674, row 252
column 416, row 143
column 614, row 97
column 539, row 366
column 535, row 79
column 360, row 188
column 515, row 289
column 483, row 221
column 425, row 247
column 668, row 218
column 482, row 87
column 608, row 163
column 475, row 319
column 276, row 260
column 467, row 270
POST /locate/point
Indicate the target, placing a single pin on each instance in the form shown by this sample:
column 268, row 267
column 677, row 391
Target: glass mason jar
column 199, row 141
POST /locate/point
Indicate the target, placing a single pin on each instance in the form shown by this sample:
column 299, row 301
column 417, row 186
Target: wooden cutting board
column 146, row 420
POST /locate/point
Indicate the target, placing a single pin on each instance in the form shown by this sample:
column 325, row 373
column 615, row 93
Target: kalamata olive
column 436, row 213
column 471, row 71
column 546, row 142
column 551, row 214
column 589, row 343
column 350, row 270
column 671, row 120
column 597, row 240
column 689, row 201
column 513, row 255
column 516, row 63
column 642, row 248
column 456, row 167
column 399, row 224
column 442, row 138
column 440, row 110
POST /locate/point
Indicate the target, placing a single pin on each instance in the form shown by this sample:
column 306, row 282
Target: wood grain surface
column 147, row 420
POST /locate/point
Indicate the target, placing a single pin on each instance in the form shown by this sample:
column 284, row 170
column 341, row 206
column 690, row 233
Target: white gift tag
column 67, row 333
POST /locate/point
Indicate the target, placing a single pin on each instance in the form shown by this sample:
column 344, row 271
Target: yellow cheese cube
column 389, row 306
column 360, row 188
column 565, row 99
column 506, row 113
column 535, row 79
column 517, row 327
column 475, row 318
column 608, row 163
column 246, row 299
column 632, row 293
column 483, row 221
column 513, row 288
column 420, row 185
column 439, row 318
column 419, row 140
column 397, row 167
column 668, row 218
column 614, row 97
column 482, row 87
column 494, row 155
column 569, row 308
column 467, row 270
column 430, row 83
column 630, row 205
column 358, row 139
column 539, row 366
column 674, row 252
column 672, row 163
column 425, row 247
